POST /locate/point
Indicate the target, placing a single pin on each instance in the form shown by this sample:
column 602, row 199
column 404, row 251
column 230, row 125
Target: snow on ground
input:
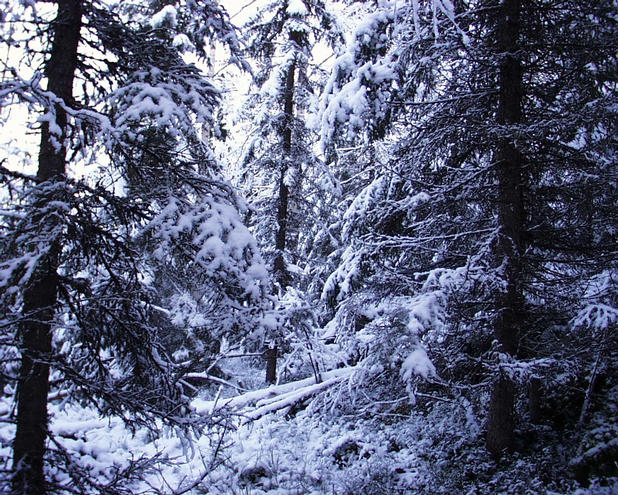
column 105, row 447
column 315, row 450
column 273, row 454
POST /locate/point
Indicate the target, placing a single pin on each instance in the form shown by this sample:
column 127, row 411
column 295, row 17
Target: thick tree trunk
column 509, row 247
column 500, row 420
column 41, row 295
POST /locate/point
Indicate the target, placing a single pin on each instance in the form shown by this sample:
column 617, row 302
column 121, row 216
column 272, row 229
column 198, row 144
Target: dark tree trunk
column 534, row 399
column 509, row 247
column 280, row 269
column 500, row 418
column 41, row 295
column 281, row 274
column 271, row 364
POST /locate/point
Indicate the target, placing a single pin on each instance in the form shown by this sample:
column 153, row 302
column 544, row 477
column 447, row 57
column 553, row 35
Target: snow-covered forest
column 308, row 247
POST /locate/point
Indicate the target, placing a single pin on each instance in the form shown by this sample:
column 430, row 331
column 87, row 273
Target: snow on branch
column 277, row 397
column 598, row 316
column 286, row 400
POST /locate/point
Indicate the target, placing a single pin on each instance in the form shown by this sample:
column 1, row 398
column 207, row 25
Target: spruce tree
column 280, row 156
column 77, row 255
column 281, row 173
column 492, row 110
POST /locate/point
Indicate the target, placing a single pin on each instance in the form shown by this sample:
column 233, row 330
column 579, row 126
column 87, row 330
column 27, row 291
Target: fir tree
column 281, row 39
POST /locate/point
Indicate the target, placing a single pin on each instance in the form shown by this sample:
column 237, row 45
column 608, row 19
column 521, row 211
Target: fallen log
column 286, row 400
column 275, row 397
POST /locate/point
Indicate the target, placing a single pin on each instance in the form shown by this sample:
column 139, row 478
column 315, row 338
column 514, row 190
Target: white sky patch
column 18, row 141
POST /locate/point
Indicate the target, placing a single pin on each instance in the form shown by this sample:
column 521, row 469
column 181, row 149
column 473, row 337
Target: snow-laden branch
column 210, row 378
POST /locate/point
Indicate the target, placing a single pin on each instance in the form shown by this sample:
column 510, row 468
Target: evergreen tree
column 282, row 176
column 498, row 116
column 77, row 253
column 280, row 157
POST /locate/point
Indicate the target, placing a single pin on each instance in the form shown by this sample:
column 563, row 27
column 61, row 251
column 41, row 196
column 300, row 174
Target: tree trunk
column 271, row 364
column 509, row 248
column 534, row 400
column 281, row 274
column 500, row 418
column 40, row 296
column 280, row 269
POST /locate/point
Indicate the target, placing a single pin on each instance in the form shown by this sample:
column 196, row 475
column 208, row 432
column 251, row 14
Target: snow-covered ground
column 313, row 450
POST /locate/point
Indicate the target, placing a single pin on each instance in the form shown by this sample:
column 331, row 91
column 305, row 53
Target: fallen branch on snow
column 205, row 377
column 290, row 398
column 276, row 397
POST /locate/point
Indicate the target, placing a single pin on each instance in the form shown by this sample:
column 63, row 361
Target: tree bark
column 509, row 248
column 280, row 269
column 40, row 296
column 534, row 400
column 271, row 364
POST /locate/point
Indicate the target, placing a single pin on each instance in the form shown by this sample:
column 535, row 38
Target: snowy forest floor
column 268, row 448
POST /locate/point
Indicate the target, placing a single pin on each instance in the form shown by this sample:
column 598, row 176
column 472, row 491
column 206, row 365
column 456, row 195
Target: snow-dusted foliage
column 439, row 224
column 192, row 26
column 363, row 81
column 280, row 171
column 423, row 229
column 91, row 267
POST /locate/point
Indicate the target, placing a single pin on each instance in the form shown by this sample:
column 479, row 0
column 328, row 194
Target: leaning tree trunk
column 40, row 296
column 509, row 249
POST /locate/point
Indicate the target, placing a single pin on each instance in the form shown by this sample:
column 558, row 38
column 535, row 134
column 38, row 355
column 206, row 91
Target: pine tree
column 281, row 39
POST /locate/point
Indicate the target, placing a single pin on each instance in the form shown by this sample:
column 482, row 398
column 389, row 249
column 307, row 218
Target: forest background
column 387, row 265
